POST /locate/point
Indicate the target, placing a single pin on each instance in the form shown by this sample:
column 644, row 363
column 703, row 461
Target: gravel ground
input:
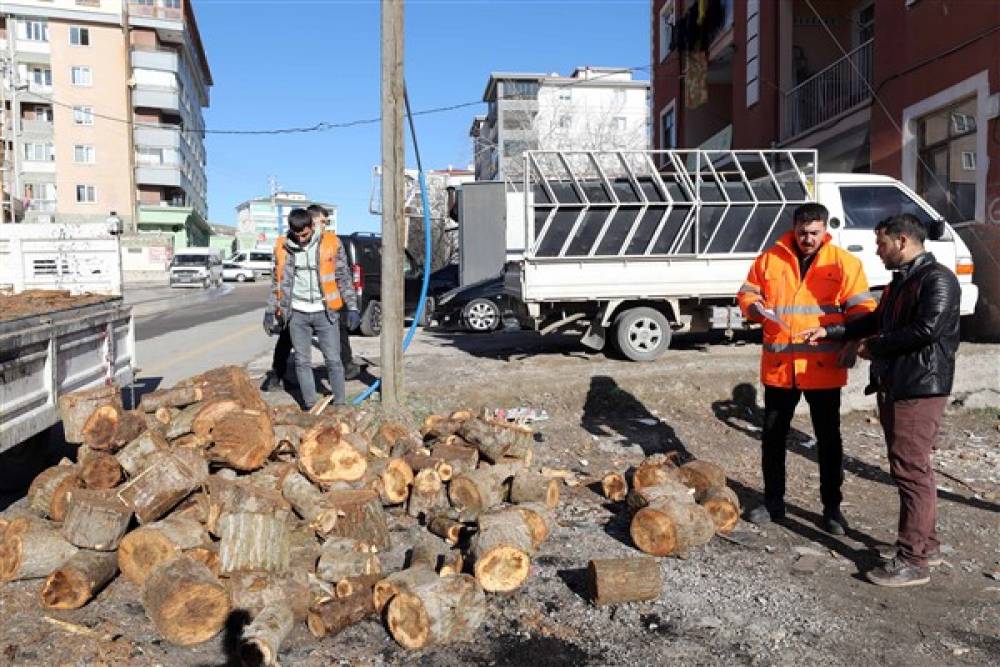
column 784, row 595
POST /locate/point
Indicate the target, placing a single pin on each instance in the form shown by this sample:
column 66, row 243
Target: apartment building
column 595, row 108
column 102, row 105
column 260, row 221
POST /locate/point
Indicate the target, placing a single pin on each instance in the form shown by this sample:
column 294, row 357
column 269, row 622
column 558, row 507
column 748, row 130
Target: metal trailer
column 652, row 242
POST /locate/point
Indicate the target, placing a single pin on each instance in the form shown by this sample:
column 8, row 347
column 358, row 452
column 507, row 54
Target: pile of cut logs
column 675, row 508
column 212, row 502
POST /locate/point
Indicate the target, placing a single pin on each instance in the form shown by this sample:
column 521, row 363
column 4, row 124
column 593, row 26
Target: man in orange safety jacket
column 801, row 282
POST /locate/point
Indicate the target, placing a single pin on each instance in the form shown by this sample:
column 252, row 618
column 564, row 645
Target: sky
column 295, row 63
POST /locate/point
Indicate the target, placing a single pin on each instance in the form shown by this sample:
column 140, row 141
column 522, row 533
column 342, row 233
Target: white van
column 257, row 260
column 196, row 267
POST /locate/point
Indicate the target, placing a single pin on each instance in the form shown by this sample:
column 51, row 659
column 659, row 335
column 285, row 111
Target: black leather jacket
column 915, row 332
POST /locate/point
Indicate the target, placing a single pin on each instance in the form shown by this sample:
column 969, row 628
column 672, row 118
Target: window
column 149, row 156
column 666, row 29
column 968, row 160
column 668, row 129
column 946, row 170
column 83, row 115
column 86, row 194
column 518, row 120
column 171, row 4
column 83, row 153
column 621, row 123
column 41, row 76
column 81, row 76
column 620, row 97
column 79, row 36
column 866, row 23
column 35, row 31
column 520, row 90
column 514, row 148
column 89, row 3
column 39, row 152
column 752, row 52
column 565, row 93
column 866, row 206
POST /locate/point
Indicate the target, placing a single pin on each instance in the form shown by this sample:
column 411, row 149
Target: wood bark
column 484, row 437
column 436, row 554
column 75, row 409
column 427, row 497
column 231, row 495
column 143, row 549
column 384, row 440
column 254, row 591
column 325, row 456
column 447, row 528
column 175, row 397
column 31, row 549
column 481, row 489
column 528, row 486
column 421, row 461
column 392, row 479
column 341, row 558
column 209, row 413
column 333, row 615
column 670, row 487
column 96, row 520
column 462, row 458
column 440, row 612
column 48, row 495
column 702, row 476
column 134, row 457
column 262, row 639
column 404, row 580
column 254, row 541
column 207, row 555
column 182, row 422
column 79, row 579
column 501, row 551
column 191, row 441
column 169, row 477
column 668, row 527
column 164, row 416
column 294, row 416
column 271, row 476
column 655, row 470
column 360, row 517
column 230, row 382
column 187, row 604
column 724, row 507
column 101, row 471
column 350, row 585
column 111, row 427
column 540, row 519
column 287, row 438
column 242, row 439
column 438, row 426
column 616, row 580
column 309, row 503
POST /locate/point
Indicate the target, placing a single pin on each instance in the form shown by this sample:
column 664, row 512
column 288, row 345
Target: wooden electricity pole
column 393, row 184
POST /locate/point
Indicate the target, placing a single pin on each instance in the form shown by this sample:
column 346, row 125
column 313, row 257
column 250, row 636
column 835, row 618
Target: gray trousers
column 325, row 326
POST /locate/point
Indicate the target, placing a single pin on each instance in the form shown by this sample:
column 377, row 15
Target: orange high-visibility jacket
column 329, row 244
column 834, row 290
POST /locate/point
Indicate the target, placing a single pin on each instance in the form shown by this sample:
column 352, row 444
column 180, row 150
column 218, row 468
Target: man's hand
column 353, row 320
column 272, row 325
column 813, row 335
column 863, row 351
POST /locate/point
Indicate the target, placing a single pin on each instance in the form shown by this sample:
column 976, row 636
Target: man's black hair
column 810, row 212
column 903, row 224
column 316, row 209
column 299, row 218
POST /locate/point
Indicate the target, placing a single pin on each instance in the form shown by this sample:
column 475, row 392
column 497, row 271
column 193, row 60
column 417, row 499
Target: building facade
column 595, row 108
column 102, row 105
column 907, row 88
column 260, row 221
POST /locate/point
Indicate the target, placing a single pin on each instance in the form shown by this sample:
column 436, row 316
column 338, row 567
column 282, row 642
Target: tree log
column 702, row 476
column 615, row 580
column 75, row 409
column 670, row 487
column 176, row 397
column 427, row 497
column 31, row 549
column 142, row 550
column 326, row 456
column 111, row 427
column 293, row 416
column 615, row 487
column 134, row 457
column 724, row 507
column 262, row 638
column 96, row 520
column 271, row 476
column 182, row 422
column 341, row 558
column 210, row 413
column 229, row 495
column 360, row 517
column 445, row 527
column 230, row 382
column 168, row 478
column 254, row 541
column 447, row 610
column 254, row 591
column 207, row 555
column 436, row 554
column 462, row 458
column 164, row 416
column 243, row 439
column 391, row 478
column 420, row 461
column 351, row 585
column 654, row 470
column 481, row 489
column 385, row 438
column 48, row 495
column 186, row 603
column 539, row 519
column 404, row 580
column 528, row 486
column 287, row 439
column 484, row 437
column 667, row 527
column 100, row 471
column 309, row 503
column 331, row 616
column 79, row 579
column 501, row 551
column 437, row 426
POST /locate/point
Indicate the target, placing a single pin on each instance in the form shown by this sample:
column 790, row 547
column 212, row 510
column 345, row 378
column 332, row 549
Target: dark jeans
column 283, row 349
column 824, row 408
column 326, row 327
column 911, row 428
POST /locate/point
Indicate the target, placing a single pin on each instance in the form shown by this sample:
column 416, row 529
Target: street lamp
column 114, row 225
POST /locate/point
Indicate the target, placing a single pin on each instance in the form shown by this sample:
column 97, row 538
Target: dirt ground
column 787, row 595
column 40, row 302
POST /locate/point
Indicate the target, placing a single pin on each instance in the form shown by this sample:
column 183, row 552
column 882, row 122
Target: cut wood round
column 148, row 546
column 227, row 495
column 445, row 527
column 670, row 488
column 615, row 580
column 175, row 397
column 462, row 414
column 181, row 423
column 421, row 461
column 404, row 580
column 31, row 549
column 49, row 492
column 655, row 470
column 309, row 502
column 481, row 489
column 186, row 602
column 167, row 479
column 385, row 438
column 325, row 456
column 724, row 506
column 440, row 612
column 228, row 382
column 350, row 585
column 207, row 555
column 134, row 457
column 394, row 479
column 484, row 437
column 615, row 487
column 210, row 413
column 292, row 415
column 333, row 615
column 540, row 521
column 360, row 517
column 501, row 551
column 427, row 497
column 528, row 486
column 75, row 408
column 461, row 458
column 96, row 520
column 287, row 438
column 191, row 441
column 667, row 527
column 341, row 558
column 242, row 439
column 254, row 541
column 164, row 416
column 111, row 427
column 437, row 426
column 100, row 471
column 262, row 638
column 79, row 579
column 701, row 476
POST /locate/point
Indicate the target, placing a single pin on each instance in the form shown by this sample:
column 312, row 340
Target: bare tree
column 444, row 231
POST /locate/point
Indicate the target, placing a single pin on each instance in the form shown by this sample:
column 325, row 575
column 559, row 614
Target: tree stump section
column 176, row 397
column 309, row 503
column 79, row 579
column 333, row 615
column 96, row 520
column 32, row 549
column 616, row 580
column 446, row 528
column 439, row 612
column 404, row 580
column 351, row 585
column 540, row 519
column 164, row 416
column 100, row 471
column 325, row 456
column 462, row 459
column 182, row 422
column 262, row 639
column 243, row 439
column 207, row 555
column 485, row 438
column 671, row 488
column 427, row 497
column 702, row 476
column 142, row 550
column 343, row 558
column 49, row 492
column 481, row 489
column 391, row 478
column 186, row 603
column 75, row 408
column 655, row 470
column 134, row 457
column 501, row 551
column 724, row 507
column 528, row 486
column 287, row 439
column 169, row 477
column 386, row 437
column 615, row 487
column 111, row 427
column 667, row 527
column 360, row 517
column 423, row 461
column 251, row 541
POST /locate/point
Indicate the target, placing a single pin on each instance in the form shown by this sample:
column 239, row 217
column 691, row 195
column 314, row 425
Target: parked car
column 194, row 267
column 478, row 307
column 258, row 260
column 237, row 272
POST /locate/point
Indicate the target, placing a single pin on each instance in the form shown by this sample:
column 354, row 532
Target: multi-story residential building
column 102, row 105
column 906, row 88
column 595, row 108
column 260, row 221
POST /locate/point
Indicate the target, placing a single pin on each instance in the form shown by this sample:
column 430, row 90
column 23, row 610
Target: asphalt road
column 244, row 298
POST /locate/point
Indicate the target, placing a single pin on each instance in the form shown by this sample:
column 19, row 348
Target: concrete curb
column 182, row 298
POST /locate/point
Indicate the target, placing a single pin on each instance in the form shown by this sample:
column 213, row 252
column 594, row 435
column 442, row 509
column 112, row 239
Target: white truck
column 644, row 244
column 51, row 345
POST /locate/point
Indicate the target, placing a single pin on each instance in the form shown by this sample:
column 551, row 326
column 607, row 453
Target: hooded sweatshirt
column 306, row 294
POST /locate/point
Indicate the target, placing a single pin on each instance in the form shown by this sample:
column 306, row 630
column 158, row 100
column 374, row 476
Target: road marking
column 156, row 368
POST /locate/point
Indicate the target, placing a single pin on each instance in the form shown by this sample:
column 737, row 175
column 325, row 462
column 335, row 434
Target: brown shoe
column 934, row 558
column 896, row 573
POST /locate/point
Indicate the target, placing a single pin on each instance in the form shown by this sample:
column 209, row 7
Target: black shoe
column 835, row 523
column 351, row 371
column 271, row 382
column 897, row 572
column 761, row 515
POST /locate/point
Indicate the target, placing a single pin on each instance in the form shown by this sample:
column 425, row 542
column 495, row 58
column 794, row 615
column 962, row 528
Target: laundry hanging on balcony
column 696, row 80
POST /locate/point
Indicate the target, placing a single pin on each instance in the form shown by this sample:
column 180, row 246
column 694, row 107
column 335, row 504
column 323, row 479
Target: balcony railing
column 155, row 11
column 834, row 90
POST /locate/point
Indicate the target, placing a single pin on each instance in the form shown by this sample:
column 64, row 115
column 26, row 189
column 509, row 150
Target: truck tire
column 642, row 334
column 371, row 319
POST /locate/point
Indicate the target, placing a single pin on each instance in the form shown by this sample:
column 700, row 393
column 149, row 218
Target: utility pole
column 393, row 184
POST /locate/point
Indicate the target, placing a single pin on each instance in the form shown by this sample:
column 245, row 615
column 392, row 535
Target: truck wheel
column 642, row 334
column 371, row 319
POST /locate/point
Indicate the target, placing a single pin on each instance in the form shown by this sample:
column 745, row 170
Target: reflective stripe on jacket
column 282, row 284
column 834, row 290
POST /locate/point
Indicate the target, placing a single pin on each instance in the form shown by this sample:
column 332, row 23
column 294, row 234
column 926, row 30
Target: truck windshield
column 190, row 260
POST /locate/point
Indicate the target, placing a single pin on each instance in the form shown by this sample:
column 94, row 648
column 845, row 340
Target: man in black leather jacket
column 911, row 340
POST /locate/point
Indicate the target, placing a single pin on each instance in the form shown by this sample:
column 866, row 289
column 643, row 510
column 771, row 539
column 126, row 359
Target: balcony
column 839, row 88
column 136, row 9
column 43, row 127
column 166, row 136
column 162, row 174
column 161, row 60
column 157, row 97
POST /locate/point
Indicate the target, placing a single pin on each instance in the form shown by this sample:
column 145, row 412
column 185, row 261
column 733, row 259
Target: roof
column 835, row 177
column 555, row 78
